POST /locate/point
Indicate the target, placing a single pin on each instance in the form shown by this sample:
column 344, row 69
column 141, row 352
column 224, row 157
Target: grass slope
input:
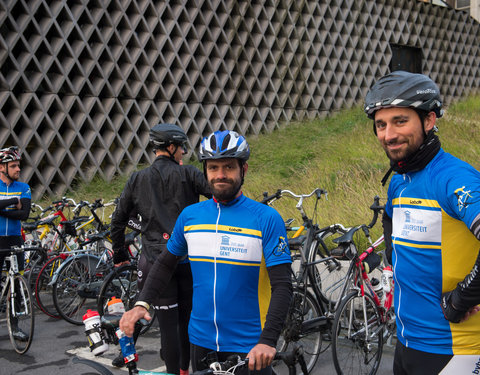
column 338, row 153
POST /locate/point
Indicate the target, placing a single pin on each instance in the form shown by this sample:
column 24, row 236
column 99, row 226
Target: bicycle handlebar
column 267, row 199
column 376, row 208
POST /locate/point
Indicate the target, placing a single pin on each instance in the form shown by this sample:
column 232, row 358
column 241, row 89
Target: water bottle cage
column 93, row 330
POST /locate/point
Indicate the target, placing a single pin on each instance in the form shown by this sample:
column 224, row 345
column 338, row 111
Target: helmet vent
column 213, row 143
column 226, row 142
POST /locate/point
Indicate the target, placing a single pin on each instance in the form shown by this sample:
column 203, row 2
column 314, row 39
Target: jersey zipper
column 215, row 280
column 398, row 286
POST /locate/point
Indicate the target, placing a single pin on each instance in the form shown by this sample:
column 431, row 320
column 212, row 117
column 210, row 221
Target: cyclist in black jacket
column 158, row 194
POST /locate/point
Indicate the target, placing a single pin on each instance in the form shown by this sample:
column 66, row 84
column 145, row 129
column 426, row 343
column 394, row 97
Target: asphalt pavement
column 57, row 342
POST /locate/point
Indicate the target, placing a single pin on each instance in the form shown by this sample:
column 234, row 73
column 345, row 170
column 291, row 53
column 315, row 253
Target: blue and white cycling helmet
column 224, row 144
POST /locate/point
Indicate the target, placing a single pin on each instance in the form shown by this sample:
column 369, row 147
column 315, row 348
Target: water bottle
column 94, row 333
column 387, row 279
column 115, row 306
column 128, row 347
column 377, row 287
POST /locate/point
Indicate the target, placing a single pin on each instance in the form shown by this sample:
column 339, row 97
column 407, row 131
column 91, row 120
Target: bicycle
column 19, row 304
column 109, row 325
column 364, row 319
column 308, row 319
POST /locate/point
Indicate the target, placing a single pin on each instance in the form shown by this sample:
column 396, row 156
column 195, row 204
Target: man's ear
column 245, row 168
column 429, row 122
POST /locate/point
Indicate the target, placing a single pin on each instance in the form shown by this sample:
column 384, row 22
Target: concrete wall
column 82, row 82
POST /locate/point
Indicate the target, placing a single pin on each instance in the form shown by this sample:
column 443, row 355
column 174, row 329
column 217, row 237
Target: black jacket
column 158, row 194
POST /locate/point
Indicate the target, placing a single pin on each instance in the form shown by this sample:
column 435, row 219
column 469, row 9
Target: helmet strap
column 172, row 154
column 6, row 174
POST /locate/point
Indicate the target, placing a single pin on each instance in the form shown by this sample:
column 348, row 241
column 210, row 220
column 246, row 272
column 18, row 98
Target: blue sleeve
column 275, row 244
column 177, row 244
column 459, row 194
column 26, row 193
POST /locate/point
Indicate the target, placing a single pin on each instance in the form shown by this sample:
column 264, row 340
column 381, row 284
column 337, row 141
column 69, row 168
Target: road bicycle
column 18, row 300
column 364, row 318
column 308, row 319
column 72, row 234
column 109, row 325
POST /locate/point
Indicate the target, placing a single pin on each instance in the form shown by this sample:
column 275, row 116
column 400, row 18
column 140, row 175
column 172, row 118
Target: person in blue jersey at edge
column 432, row 227
column 240, row 264
column 15, row 202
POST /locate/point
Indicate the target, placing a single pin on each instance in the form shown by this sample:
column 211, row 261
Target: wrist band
column 143, row 304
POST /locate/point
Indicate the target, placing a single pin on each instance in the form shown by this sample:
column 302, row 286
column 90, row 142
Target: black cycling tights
column 174, row 337
column 197, row 353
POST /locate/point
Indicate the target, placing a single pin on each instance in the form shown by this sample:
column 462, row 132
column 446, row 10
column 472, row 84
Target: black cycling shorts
column 408, row 361
column 180, row 287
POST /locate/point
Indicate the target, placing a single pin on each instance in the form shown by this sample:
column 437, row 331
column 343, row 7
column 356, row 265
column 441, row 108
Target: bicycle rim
column 74, row 280
column 357, row 336
column 303, row 308
column 20, row 314
column 329, row 275
column 43, row 291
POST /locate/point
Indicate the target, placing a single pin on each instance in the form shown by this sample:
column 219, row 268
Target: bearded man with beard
column 432, row 230
column 240, row 264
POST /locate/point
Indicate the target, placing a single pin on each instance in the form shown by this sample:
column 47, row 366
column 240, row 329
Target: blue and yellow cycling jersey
column 432, row 212
column 229, row 247
column 12, row 227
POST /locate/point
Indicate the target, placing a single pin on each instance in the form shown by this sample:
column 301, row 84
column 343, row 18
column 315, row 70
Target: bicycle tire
column 303, row 308
column 74, row 291
column 22, row 315
column 329, row 275
column 43, row 289
column 121, row 283
column 352, row 354
column 32, row 271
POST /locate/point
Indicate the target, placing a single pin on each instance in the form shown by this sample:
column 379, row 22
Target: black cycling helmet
column 163, row 135
column 404, row 89
column 9, row 154
column 224, row 144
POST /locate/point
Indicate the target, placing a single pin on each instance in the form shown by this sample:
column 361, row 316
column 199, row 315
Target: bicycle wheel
column 357, row 335
column 43, row 289
column 303, row 308
column 76, row 289
column 329, row 274
column 20, row 315
column 121, row 283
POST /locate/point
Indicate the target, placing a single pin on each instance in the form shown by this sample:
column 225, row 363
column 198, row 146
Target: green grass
column 338, row 153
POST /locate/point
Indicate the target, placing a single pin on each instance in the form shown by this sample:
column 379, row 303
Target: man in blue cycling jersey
column 432, row 228
column 15, row 201
column 240, row 264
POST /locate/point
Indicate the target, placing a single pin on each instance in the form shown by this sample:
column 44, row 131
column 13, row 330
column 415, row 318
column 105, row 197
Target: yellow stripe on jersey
column 415, row 202
column 264, row 292
column 223, row 228
column 458, row 259
column 416, row 245
column 209, row 260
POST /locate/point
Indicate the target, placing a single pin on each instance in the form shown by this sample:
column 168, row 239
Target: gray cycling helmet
column 224, row 144
column 163, row 135
column 404, row 89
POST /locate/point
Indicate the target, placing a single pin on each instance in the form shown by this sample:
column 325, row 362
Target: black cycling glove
column 449, row 312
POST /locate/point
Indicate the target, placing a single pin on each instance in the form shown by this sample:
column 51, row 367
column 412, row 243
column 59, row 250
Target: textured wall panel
column 82, row 82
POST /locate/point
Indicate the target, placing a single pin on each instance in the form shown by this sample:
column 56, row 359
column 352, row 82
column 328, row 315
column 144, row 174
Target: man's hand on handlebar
column 130, row 317
column 260, row 356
